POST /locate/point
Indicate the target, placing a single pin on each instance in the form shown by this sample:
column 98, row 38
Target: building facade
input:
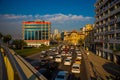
column 36, row 33
column 89, row 37
column 73, row 37
column 107, row 29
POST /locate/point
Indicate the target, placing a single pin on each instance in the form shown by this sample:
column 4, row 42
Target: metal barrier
column 18, row 73
column 3, row 71
column 12, row 64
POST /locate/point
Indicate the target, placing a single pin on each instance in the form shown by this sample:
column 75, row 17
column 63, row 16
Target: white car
column 79, row 56
column 58, row 58
column 69, row 57
column 62, row 75
column 67, row 61
column 75, row 68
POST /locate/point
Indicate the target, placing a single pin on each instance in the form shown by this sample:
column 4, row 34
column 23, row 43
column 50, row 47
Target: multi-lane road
column 72, row 76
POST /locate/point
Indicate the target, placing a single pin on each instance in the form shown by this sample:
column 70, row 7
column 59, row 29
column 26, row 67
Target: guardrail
column 31, row 68
column 15, row 62
column 3, row 71
column 18, row 73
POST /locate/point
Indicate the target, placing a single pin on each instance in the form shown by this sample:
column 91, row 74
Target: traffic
column 61, row 63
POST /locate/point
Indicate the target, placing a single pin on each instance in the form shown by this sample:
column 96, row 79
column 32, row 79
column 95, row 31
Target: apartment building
column 107, row 29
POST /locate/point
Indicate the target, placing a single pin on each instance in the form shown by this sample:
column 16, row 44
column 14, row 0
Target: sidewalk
column 103, row 69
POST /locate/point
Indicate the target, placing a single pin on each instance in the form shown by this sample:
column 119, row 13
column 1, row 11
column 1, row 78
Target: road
column 81, row 76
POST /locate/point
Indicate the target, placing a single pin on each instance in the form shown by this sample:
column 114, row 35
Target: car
column 67, row 61
column 69, row 57
column 58, row 58
column 62, row 75
column 75, row 68
column 43, row 62
column 52, row 65
column 36, row 64
column 46, row 73
column 78, row 61
column 79, row 56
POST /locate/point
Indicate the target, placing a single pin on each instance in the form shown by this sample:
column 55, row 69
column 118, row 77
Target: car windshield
column 58, row 57
column 77, row 60
column 67, row 60
column 75, row 67
column 60, row 76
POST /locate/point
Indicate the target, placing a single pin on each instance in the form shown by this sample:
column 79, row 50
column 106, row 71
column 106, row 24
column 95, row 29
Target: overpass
column 14, row 67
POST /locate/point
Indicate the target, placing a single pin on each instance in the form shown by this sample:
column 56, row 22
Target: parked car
column 62, row 75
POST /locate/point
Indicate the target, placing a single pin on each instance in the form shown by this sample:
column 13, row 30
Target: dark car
column 36, row 65
column 52, row 65
column 46, row 73
column 43, row 62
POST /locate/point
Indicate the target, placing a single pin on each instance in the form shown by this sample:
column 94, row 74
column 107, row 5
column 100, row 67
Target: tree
column 19, row 44
column 81, row 42
column 1, row 35
column 22, row 44
column 7, row 38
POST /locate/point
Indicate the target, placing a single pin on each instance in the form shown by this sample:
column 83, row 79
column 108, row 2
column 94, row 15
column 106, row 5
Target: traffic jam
column 60, row 63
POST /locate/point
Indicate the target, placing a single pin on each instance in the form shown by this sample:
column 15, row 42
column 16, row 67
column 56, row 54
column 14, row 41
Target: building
column 56, row 31
column 73, row 37
column 89, row 37
column 107, row 29
column 36, row 33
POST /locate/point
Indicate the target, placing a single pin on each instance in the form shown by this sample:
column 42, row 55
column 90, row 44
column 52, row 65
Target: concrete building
column 107, row 29
column 36, row 33
column 89, row 36
column 56, row 31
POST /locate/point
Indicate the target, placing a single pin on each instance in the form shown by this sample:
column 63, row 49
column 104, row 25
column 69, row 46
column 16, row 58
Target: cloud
column 59, row 21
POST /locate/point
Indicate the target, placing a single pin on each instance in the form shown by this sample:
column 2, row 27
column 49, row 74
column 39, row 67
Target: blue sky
column 64, row 14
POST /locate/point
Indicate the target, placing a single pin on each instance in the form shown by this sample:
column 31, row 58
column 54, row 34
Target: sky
column 64, row 14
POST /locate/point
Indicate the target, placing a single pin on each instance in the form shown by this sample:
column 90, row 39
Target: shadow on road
column 113, row 69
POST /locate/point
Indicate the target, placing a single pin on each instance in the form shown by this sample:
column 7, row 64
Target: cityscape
column 60, row 40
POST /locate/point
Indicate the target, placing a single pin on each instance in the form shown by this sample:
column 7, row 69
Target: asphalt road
column 81, row 76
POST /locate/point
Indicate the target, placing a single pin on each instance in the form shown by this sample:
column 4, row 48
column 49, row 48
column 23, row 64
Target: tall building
column 56, row 31
column 107, row 29
column 89, row 38
column 36, row 33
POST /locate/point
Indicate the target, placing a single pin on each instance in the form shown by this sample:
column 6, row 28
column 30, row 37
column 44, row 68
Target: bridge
column 14, row 67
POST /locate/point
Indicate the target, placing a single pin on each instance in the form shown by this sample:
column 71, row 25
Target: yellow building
column 73, row 37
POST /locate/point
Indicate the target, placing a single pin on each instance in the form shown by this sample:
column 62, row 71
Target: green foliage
column 19, row 44
column 1, row 35
column 7, row 38
column 81, row 42
column 30, row 51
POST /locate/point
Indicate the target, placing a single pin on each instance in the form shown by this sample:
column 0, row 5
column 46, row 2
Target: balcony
column 98, row 40
column 109, row 32
column 118, row 20
column 101, row 4
column 114, row 40
column 117, row 31
column 108, row 15
column 112, row 21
